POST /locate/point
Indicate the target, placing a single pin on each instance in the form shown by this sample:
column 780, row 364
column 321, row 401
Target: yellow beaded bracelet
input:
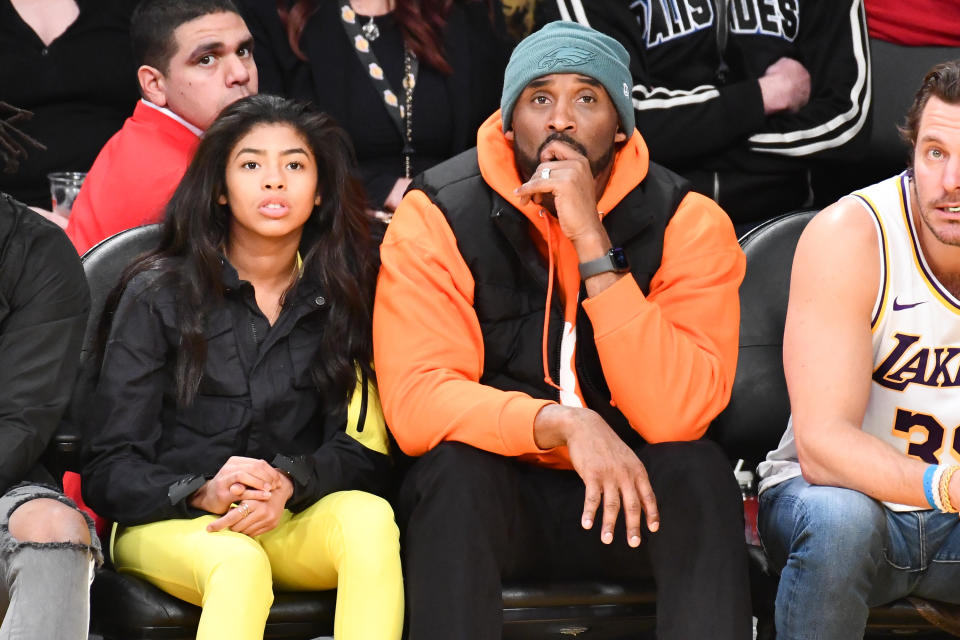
column 944, row 489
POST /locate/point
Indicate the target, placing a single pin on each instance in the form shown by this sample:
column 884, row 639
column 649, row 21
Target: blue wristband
column 928, row 485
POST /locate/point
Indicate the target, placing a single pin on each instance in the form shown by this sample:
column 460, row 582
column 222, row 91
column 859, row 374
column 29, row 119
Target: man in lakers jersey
column 859, row 503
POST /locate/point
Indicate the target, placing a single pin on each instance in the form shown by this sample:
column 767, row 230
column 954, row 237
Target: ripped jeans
column 44, row 587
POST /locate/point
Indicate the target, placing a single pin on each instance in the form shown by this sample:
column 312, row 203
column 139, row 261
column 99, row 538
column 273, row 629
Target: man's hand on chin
column 564, row 184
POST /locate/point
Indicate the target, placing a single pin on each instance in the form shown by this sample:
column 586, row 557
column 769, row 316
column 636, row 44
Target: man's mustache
column 560, row 136
column 947, row 201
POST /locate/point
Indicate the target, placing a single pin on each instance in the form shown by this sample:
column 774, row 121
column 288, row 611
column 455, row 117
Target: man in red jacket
column 195, row 58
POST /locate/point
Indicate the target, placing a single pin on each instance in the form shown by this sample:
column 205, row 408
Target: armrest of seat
column 63, row 454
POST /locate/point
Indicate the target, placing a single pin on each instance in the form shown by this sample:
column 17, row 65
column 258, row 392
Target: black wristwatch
column 615, row 260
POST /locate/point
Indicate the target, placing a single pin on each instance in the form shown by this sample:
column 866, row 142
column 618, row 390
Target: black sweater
column 80, row 89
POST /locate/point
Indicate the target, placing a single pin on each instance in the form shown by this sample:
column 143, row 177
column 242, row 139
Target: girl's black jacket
column 145, row 455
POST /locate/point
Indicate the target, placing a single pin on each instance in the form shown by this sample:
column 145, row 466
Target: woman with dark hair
column 235, row 429
column 351, row 58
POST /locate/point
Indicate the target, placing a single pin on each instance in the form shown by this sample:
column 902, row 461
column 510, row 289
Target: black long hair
column 338, row 253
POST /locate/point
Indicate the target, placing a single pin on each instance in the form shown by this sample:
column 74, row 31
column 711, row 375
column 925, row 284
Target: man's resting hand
column 611, row 472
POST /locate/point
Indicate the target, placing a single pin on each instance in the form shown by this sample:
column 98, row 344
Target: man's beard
column 527, row 165
column 950, row 233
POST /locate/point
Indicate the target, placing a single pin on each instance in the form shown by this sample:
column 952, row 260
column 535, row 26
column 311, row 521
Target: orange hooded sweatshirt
column 428, row 346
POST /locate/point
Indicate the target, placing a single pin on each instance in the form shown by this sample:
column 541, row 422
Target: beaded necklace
column 400, row 114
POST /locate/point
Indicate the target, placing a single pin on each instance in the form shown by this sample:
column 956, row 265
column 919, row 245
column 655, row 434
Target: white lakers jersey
column 914, row 402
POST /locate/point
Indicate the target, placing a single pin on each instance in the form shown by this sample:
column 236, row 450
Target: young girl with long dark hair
column 235, row 434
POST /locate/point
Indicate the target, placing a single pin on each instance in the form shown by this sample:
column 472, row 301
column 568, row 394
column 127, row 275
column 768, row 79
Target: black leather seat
column 102, row 266
column 756, row 417
column 124, row 607
column 127, row 608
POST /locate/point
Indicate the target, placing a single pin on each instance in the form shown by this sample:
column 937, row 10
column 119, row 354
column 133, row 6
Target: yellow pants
column 347, row 540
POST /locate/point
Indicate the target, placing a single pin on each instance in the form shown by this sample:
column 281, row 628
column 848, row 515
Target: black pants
column 471, row 518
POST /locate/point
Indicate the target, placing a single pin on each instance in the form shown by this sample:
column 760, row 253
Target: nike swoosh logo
column 900, row 307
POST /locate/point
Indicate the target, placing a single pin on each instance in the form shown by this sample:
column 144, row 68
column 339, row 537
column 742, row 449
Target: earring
column 222, row 199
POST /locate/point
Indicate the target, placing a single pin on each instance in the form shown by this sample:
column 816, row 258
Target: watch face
column 619, row 259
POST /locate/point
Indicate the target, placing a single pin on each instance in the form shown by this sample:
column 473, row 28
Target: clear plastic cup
column 64, row 187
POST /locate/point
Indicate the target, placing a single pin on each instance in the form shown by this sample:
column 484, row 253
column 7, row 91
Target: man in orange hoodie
column 555, row 326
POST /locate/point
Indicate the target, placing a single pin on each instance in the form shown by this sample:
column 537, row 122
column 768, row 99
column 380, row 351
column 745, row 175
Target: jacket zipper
column 362, row 418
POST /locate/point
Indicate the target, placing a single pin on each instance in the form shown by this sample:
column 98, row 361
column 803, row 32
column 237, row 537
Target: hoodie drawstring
column 546, row 312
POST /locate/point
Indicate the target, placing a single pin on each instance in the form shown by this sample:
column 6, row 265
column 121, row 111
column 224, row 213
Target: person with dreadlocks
column 12, row 139
column 47, row 547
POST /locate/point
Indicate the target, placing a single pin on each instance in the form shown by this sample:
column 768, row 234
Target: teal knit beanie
column 568, row 47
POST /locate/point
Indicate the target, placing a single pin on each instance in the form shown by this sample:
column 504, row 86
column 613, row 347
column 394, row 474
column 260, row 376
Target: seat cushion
column 126, row 607
column 596, row 609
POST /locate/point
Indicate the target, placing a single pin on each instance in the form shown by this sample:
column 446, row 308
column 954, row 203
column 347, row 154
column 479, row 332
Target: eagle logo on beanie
column 566, row 56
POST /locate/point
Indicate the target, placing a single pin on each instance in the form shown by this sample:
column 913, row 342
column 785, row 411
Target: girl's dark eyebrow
column 260, row 152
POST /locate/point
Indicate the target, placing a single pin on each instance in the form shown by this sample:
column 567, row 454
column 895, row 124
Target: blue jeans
column 841, row 552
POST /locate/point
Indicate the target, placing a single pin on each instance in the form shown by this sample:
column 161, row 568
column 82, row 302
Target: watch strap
column 614, row 260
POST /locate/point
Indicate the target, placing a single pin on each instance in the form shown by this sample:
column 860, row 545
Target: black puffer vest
column 510, row 277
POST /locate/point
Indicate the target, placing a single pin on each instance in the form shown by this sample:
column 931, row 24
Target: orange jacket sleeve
column 669, row 358
column 428, row 347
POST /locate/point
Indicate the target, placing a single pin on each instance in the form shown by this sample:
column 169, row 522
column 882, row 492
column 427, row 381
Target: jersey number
column 928, row 450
